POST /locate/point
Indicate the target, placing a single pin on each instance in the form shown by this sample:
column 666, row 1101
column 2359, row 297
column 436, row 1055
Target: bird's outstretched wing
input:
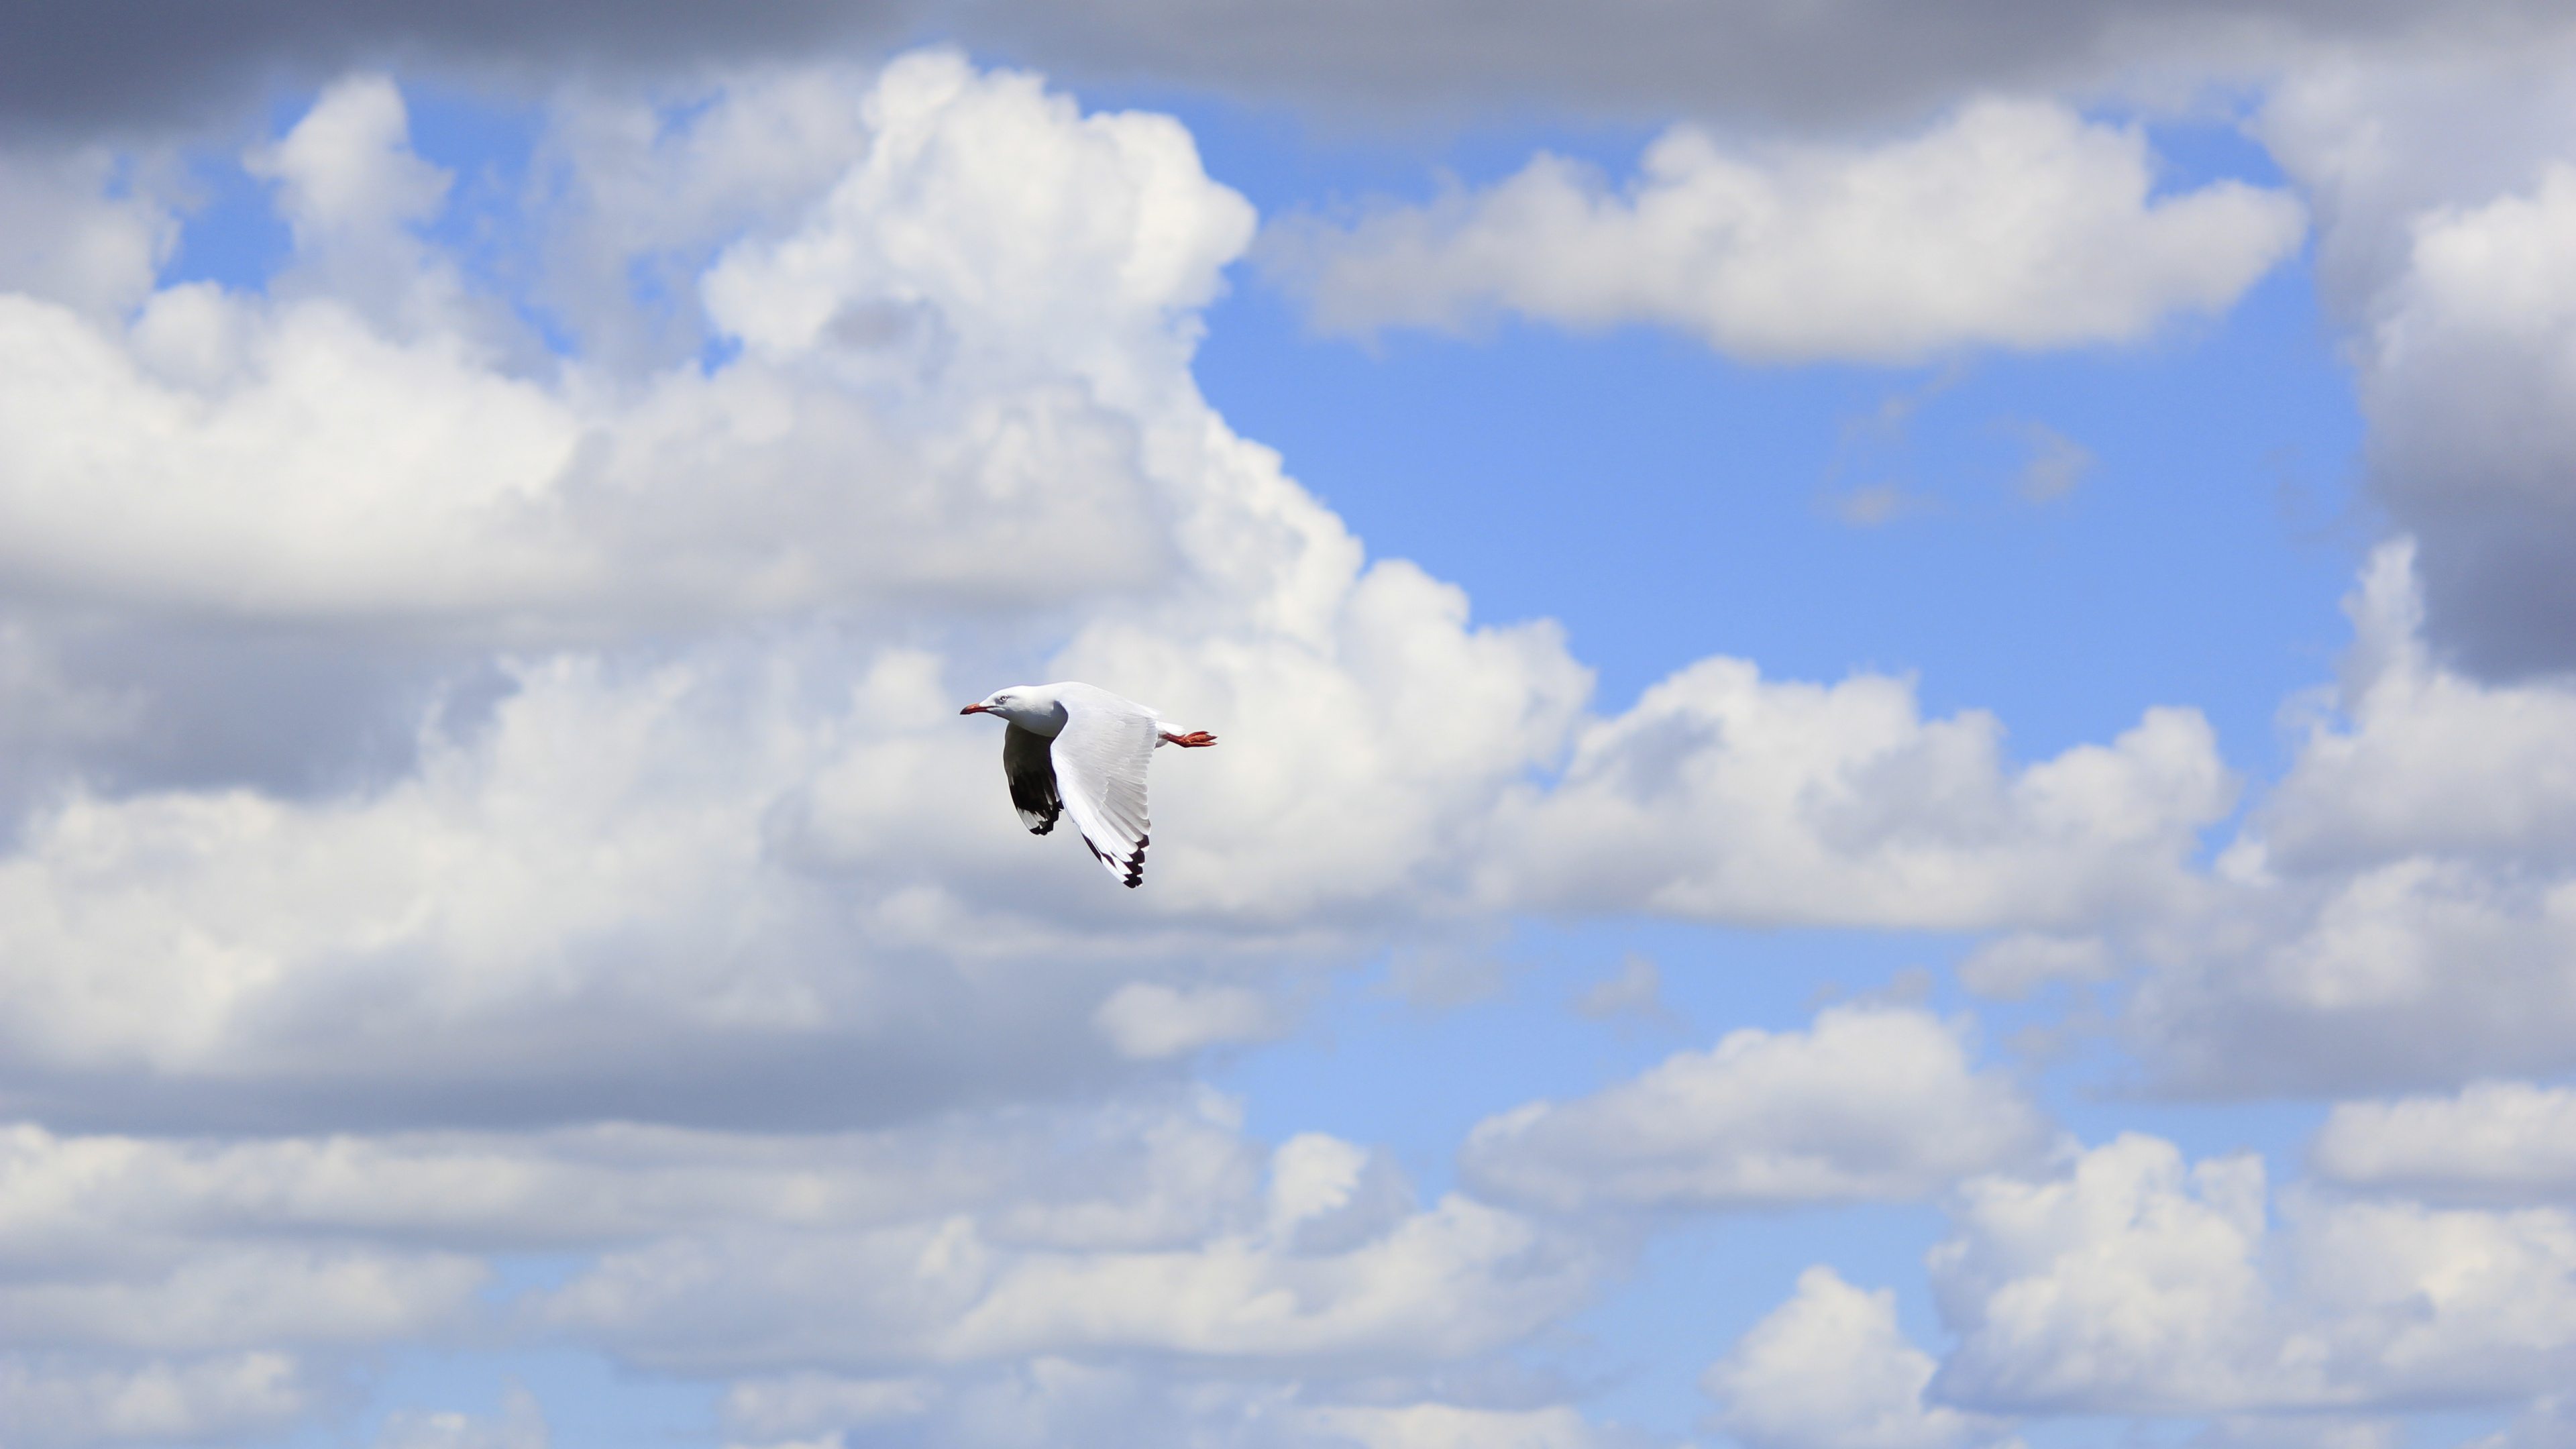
column 1026, row 764
column 1100, row 760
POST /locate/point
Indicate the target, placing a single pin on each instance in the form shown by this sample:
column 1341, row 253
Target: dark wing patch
column 1028, row 761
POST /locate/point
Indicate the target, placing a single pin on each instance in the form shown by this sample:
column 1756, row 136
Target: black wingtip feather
column 1134, row 865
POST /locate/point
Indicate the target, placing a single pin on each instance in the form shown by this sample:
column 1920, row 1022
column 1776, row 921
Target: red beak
column 974, row 709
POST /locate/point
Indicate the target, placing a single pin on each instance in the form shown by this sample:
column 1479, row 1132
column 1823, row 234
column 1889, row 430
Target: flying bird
column 1080, row 749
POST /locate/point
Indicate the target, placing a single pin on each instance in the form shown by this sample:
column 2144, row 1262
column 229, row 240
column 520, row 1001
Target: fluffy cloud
column 2137, row 1284
column 2012, row 224
column 2447, row 206
column 1873, row 1103
column 1452, row 1281
column 70, row 239
column 603, row 764
column 2401, row 909
column 357, row 443
column 46, row 1401
column 2491, row 1141
column 1829, row 1369
column 962, row 383
column 939, row 1265
column 2471, row 369
column 590, row 603
column 1726, row 796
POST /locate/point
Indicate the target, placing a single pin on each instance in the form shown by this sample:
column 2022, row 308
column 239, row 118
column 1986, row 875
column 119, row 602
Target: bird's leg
column 1195, row 739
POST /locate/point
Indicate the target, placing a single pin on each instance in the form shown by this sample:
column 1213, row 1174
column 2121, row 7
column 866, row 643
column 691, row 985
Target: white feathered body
column 1076, row 749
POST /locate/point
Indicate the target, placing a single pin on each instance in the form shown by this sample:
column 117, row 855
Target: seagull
column 1079, row 748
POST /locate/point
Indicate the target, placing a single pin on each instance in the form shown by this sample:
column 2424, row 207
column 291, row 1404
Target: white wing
column 1100, row 760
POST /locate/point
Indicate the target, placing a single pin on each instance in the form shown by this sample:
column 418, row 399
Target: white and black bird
column 1080, row 749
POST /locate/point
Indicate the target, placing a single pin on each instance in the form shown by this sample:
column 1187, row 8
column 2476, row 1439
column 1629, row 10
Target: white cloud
column 2450, row 202
column 349, row 186
column 1871, row 1104
column 968, row 363
column 2011, row 967
column 1723, row 796
column 55, row 1400
column 360, row 445
column 2014, row 224
column 2401, row 909
column 771, row 1408
column 1145, row 1020
column 939, row 1264
column 683, row 826
column 1116, row 1175
column 206, row 1297
column 2129, row 1286
column 2549, row 1422
column 1443, row 1283
column 70, row 240
column 1830, row 1369
column 2137, row 1285
column 2492, row 1141
column 964, row 380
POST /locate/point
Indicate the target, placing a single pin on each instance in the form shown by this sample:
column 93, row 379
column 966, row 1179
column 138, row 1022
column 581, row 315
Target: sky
column 1897, row 751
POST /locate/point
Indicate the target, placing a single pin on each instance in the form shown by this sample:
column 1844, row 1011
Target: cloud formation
column 475, row 788
column 1829, row 1369
column 2137, row 1283
column 2396, row 912
column 1871, row 1104
column 2445, row 198
column 1725, row 796
column 2011, row 224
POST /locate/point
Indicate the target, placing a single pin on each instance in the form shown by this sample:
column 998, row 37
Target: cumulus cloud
column 1870, row 1104
column 934, row 1267
column 2397, row 911
column 634, row 672
column 2011, row 967
column 2470, row 370
column 977, row 337
column 55, row 1400
column 2446, row 199
column 353, row 445
column 1450, row 1281
column 1830, row 1369
column 2138, row 1284
column 2012, row 224
column 1726, row 796
column 656, row 609
column 71, row 240
column 2491, row 1141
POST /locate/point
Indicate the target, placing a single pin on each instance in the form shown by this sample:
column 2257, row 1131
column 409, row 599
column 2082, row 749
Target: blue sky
column 1895, row 769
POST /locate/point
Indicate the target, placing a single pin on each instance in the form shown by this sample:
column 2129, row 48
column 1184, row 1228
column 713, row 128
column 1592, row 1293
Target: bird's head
column 1007, row 703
